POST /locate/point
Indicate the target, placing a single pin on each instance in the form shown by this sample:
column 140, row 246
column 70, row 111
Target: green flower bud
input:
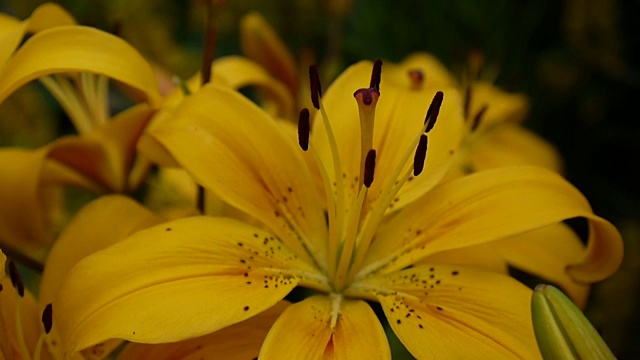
column 562, row 330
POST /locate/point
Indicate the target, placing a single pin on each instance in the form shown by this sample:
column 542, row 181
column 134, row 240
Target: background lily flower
column 495, row 136
column 194, row 276
column 102, row 158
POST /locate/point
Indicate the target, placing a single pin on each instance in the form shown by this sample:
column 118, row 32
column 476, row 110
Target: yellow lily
column 327, row 227
column 102, row 157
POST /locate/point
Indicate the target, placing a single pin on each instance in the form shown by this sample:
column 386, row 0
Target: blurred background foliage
column 577, row 60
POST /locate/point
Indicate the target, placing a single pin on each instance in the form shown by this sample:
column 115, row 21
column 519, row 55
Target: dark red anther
column 467, row 101
column 304, row 129
column 16, row 280
column 376, row 75
column 478, row 118
column 369, row 168
column 433, row 111
column 316, row 88
column 47, row 318
column 421, row 155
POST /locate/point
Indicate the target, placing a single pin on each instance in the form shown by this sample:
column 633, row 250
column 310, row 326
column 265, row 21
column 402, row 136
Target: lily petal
column 239, row 72
column 43, row 17
column 511, row 144
column 78, row 49
column 240, row 341
column 109, row 153
column 547, row 252
column 22, row 217
column 502, row 106
column 484, row 256
column 265, row 174
column 454, row 215
column 322, row 327
column 201, row 274
column 28, row 312
column 261, row 43
column 435, row 74
column 444, row 312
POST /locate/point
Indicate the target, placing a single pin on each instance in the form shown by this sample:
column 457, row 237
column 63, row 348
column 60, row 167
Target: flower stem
column 208, row 54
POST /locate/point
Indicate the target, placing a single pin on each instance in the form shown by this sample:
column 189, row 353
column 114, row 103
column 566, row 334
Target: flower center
column 353, row 213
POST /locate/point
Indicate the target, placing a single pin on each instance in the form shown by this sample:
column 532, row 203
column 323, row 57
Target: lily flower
column 74, row 63
column 341, row 219
column 495, row 135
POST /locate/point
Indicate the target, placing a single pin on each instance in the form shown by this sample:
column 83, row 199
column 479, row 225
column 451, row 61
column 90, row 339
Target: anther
column 47, row 318
column 478, row 118
column 467, row 101
column 16, row 280
column 433, row 111
column 420, row 156
column 316, row 88
column 369, row 168
column 417, row 78
column 376, row 75
column 304, row 129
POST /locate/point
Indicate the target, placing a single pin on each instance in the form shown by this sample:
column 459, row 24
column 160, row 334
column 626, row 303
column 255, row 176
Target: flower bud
column 562, row 330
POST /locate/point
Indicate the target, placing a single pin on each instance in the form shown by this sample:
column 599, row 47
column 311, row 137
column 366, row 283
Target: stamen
column 16, row 280
column 376, row 77
column 47, row 318
column 478, row 118
column 370, row 167
column 367, row 100
column 433, row 111
column 316, row 88
column 304, row 129
column 421, row 155
column 417, row 78
column 467, row 101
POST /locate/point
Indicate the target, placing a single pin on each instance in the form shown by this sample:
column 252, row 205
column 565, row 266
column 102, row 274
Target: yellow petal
column 547, row 252
column 23, row 222
column 101, row 223
column 261, row 44
column 108, row 154
column 175, row 281
column 240, row 341
column 306, row 331
column 510, row 144
column 502, row 106
column 457, row 312
column 435, row 74
column 78, row 49
column 43, row 17
column 485, row 256
column 29, row 320
column 494, row 205
column 239, row 72
column 96, row 226
column 250, row 164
